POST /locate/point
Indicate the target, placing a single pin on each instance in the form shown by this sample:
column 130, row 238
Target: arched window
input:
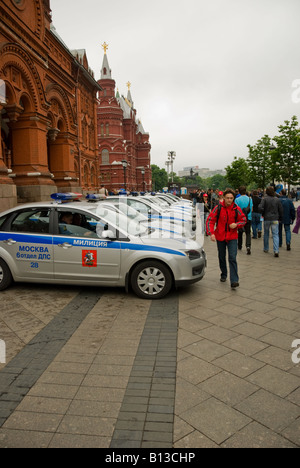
column 105, row 156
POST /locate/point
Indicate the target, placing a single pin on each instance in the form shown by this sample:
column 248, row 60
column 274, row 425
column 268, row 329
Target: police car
column 161, row 228
column 155, row 212
column 70, row 243
column 185, row 212
column 173, row 199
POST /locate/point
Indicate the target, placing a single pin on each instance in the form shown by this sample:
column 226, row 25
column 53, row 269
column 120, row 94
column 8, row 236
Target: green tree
column 175, row 177
column 260, row 162
column 194, row 180
column 286, row 155
column 237, row 173
column 159, row 177
column 217, row 182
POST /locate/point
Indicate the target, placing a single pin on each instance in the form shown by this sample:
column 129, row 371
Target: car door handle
column 9, row 242
column 65, row 245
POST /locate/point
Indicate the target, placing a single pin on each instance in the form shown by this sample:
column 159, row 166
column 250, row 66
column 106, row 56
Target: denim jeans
column 247, row 230
column 232, row 247
column 274, row 225
column 256, row 224
column 288, row 234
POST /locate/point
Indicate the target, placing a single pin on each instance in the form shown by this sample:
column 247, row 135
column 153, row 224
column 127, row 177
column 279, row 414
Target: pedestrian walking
column 222, row 227
column 289, row 215
column 193, row 196
column 103, row 192
column 246, row 205
column 207, row 210
column 220, row 198
column 214, row 199
column 297, row 227
column 256, row 216
column 272, row 211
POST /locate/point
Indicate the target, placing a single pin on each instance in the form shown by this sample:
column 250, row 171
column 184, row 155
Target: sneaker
column 288, row 247
column 259, row 234
column 223, row 279
column 248, row 251
column 266, row 251
column 276, row 254
column 234, row 285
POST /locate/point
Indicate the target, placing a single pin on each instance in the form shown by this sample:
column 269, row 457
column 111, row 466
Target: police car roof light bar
column 93, row 197
column 66, row 197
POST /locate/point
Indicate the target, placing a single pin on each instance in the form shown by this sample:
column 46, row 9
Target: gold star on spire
column 105, row 47
column 128, row 85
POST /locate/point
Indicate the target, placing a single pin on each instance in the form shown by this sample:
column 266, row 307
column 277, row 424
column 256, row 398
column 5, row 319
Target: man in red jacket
column 222, row 226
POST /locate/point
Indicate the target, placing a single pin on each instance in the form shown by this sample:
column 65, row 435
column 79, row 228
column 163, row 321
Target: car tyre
column 151, row 280
column 5, row 276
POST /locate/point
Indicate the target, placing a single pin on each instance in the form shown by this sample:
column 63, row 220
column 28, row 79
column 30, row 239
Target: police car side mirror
column 108, row 235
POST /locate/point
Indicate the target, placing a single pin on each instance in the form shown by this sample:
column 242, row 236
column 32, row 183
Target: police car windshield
column 157, row 201
column 130, row 212
column 120, row 221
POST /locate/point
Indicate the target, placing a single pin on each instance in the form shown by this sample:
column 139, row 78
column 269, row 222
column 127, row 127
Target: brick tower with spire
column 121, row 138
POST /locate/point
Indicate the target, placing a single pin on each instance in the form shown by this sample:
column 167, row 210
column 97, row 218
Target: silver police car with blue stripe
column 70, row 243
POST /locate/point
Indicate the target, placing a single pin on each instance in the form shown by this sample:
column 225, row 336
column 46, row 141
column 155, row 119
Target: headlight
column 193, row 254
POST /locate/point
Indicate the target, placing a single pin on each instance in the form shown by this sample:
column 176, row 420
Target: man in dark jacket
column 272, row 211
column 222, row 227
column 289, row 216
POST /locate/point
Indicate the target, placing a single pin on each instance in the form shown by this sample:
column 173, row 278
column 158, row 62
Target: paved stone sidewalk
column 94, row 368
column 236, row 383
column 76, row 402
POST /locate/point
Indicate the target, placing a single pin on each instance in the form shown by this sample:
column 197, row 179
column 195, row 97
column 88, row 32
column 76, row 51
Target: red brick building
column 121, row 138
column 48, row 115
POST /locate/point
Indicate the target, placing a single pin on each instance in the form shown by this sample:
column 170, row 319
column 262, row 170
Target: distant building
column 121, row 137
column 203, row 172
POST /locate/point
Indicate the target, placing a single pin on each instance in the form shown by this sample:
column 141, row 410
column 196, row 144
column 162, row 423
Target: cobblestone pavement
column 205, row 367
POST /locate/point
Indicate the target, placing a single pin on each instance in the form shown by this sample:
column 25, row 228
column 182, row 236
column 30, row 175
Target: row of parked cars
column 146, row 244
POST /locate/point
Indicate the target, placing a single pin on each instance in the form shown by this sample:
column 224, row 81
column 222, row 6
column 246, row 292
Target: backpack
column 236, row 213
column 246, row 211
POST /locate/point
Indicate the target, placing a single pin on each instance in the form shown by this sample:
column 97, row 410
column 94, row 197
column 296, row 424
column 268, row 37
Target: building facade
column 48, row 108
column 122, row 138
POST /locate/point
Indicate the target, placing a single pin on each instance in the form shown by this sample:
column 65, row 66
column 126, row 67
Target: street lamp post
column 125, row 164
column 168, row 168
column 172, row 156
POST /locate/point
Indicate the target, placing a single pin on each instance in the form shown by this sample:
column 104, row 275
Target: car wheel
column 5, row 276
column 151, row 280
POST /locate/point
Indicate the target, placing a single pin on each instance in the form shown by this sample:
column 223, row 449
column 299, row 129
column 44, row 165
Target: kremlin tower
column 124, row 148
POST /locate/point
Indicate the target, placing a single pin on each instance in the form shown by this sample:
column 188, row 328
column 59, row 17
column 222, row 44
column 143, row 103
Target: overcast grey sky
column 208, row 76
